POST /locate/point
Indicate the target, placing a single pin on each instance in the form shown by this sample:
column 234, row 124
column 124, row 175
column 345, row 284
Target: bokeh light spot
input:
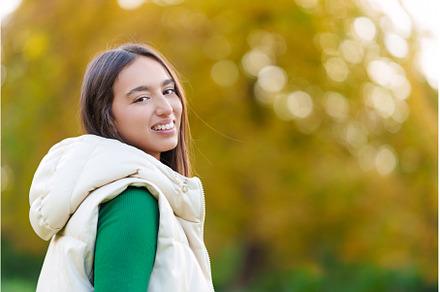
column 400, row 87
column 272, row 78
column 224, row 73
column 130, row 4
column 396, row 45
column 364, row 28
column 383, row 72
column 379, row 99
column 254, row 61
column 352, row 51
column 386, row 160
column 300, row 104
column 336, row 105
column 401, row 111
column 382, row 101
column 336, row 69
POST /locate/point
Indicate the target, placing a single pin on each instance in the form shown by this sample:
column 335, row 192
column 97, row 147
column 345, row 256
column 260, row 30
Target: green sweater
column 126, row 241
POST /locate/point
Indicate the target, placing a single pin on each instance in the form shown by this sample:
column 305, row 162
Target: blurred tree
column 313, row 131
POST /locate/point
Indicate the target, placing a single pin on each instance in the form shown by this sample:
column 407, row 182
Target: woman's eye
column 169, row 91
column 141, row 99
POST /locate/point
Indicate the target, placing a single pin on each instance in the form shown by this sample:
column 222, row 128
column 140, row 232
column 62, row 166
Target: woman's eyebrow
column 137, row 89
column 167, row 81
column 146, row 87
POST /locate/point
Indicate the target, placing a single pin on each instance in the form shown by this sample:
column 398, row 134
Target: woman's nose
column 163, row 107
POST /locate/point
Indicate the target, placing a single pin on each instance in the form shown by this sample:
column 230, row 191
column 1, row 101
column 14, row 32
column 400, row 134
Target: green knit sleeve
column 126, row 241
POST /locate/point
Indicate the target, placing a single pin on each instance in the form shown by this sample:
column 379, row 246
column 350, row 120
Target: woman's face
column 146, row 108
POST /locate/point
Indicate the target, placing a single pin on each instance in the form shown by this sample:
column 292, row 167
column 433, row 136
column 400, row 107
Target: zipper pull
column 184, row 185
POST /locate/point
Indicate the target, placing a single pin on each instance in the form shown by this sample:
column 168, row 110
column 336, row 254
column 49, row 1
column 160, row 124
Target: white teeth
column 164, row 127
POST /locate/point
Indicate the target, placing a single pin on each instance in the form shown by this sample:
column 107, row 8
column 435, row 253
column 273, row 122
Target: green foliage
column 333, row 275
column 19, row 269
column 304, row 145
column 17, row 285
column 362, row 278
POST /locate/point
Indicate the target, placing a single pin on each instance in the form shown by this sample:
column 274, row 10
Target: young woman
column 118, row 203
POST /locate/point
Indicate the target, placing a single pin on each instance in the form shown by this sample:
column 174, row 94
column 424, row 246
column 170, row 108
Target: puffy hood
column 63, row 180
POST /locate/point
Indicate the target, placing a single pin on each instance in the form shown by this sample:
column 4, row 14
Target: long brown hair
column 97, row 97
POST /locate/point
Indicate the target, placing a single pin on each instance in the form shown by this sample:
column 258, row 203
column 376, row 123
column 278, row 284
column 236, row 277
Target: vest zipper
column 203, row 231
column 183, row 181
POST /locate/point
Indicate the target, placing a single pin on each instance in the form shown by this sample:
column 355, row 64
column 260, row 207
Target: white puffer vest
column 76, row 176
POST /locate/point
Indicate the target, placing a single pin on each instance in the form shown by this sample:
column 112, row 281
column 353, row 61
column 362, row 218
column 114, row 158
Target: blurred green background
column 314, row 132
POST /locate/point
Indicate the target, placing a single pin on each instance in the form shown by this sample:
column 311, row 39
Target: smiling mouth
column 163, row 127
